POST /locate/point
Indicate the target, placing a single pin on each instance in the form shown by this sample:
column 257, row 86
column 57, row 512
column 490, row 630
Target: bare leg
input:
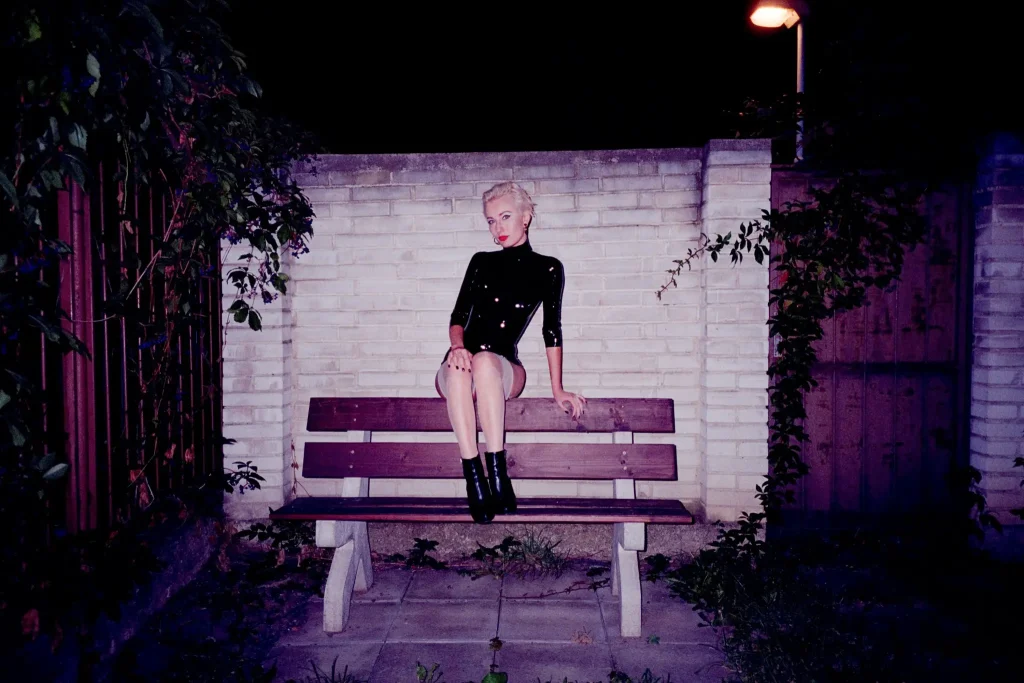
column 490, row 398
column 461, row 412
column 518, row 381
column 459, row 384
column 490, row 395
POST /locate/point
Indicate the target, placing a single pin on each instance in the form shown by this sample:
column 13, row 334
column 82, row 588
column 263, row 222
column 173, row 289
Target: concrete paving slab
column 432, row 584
column 367, row 623
column 689, row 663
column 655, row 591
column 570, row 585
column 445, row 621
column 530, row 662
column 389, row 585
column 297, row 663
column 544, row 620
column 669, row 618
column 571, row 635
column 458, row 661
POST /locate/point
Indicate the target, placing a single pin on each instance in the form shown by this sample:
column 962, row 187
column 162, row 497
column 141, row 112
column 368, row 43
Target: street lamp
column 776, row 13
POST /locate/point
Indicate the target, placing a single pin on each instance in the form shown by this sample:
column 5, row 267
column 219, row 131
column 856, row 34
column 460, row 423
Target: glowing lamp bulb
column 773, row 16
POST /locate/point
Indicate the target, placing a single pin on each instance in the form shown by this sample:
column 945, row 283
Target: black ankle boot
column 479, row 495
column 501, row 486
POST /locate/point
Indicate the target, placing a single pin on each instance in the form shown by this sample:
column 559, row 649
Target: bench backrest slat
column 386, row 414
column 525, row 460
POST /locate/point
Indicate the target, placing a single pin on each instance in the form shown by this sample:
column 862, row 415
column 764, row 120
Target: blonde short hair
column 524, row 202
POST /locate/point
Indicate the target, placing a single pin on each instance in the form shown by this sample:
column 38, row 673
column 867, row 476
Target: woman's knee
column 486, row 365
column 457, row 378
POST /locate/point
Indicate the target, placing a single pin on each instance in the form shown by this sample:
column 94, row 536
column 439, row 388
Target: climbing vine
column 827, row 253
column 153, row 93
column 154, row 90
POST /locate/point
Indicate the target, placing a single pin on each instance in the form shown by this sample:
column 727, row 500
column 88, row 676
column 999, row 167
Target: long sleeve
column 555, row 284
column 464, row 302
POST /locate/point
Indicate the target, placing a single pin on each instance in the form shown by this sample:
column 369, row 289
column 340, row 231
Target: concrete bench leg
column 626, row 576
column 350, row 568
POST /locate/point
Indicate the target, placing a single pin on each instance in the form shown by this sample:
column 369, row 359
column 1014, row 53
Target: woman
column 499, row 295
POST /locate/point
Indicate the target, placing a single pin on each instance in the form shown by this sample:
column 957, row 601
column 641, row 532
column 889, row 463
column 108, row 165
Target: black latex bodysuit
column 500, row 293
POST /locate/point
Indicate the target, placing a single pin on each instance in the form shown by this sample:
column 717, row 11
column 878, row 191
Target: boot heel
column 501, row 486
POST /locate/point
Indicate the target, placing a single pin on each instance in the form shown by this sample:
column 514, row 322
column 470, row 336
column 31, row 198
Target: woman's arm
column 464, row 301
column 460, row 317
column 552, row 333
column 566, row 399
column 455, row 335
column 555, row 368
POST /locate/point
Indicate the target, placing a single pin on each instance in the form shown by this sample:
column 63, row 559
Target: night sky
column 393, row 80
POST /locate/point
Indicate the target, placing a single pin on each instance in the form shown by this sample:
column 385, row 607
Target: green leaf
column 54, row 129
column 52, row 179
column 78, row 136
column 180, row 84
column 495, row 677
column 56, row 472
column 8, row 188
column 34, row 32
column 75, row 170
column 5, row 398
column 254, row 88
column 240, row 316
column 254, row 321
column 92, row 66
column 17, row 438
column 145, row 123
column 142, row 10
column 47, row 461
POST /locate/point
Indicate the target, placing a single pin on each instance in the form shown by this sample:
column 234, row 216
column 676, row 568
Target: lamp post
column 776, row 13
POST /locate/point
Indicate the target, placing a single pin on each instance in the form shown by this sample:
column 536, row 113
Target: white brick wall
column 997, row 372
column 258, row 369
column 367, row 309
column 734, row 356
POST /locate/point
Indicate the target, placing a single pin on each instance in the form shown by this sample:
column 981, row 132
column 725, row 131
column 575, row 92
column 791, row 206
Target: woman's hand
column 460, row 359
column 570, row 401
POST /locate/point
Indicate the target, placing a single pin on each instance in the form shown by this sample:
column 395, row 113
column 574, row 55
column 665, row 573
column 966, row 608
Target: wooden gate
column 889, row 418
column 96, row 414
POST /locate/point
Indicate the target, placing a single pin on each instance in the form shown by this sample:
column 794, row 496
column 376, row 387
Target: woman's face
column 506, row 221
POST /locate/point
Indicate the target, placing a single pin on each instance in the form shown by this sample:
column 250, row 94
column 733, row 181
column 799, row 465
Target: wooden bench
column 341, row 521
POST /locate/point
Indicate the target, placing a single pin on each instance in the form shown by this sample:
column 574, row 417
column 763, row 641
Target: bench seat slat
column 525, row 461
column 532, row 502
column 412, row 509
column 411, row 414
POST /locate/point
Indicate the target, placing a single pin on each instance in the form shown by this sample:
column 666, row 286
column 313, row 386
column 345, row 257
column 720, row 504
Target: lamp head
column 776, row 13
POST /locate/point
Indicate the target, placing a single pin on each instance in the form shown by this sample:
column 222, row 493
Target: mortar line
column 497, row 626
column 401, row 601
column 604, row 625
